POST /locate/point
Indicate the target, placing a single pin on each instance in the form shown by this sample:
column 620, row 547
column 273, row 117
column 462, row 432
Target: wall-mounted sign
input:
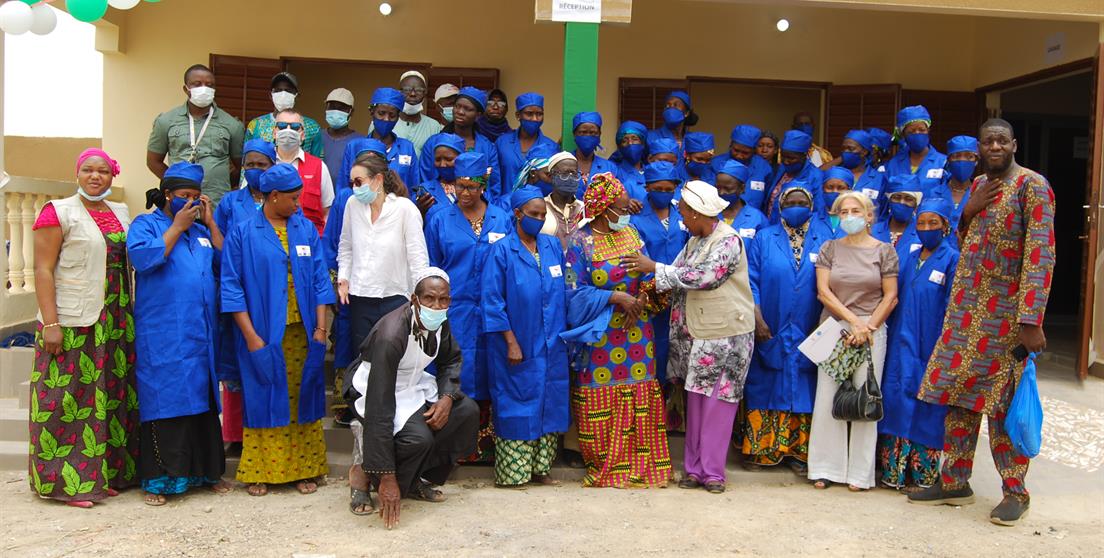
column 579, row 11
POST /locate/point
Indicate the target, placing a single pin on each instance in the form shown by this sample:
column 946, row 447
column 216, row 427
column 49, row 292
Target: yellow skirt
column 288, row 453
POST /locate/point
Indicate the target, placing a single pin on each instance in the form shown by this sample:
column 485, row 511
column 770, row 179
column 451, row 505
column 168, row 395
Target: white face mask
column 202, row 96
column 91, row 198
column 283, row 100
column 412, row 109
column 287, row 139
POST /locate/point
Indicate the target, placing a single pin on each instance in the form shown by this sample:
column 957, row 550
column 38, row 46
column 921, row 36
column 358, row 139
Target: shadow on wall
column 48, row 158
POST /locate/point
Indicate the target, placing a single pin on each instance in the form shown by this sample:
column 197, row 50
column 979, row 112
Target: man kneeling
column 411, row 427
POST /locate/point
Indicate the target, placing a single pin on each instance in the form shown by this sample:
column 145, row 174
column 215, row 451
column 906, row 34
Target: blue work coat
column 344, row 351
column 663, row 245
column 401, row 158
column 530, row 399
column 780, row 377
column 511, row 160
column 175, row 319
column 914, row 327
column 748, row 222
column 943, row 190
column 810, row 175
column 598, row 166
column 666, row 133
column 236, row 206
column 633, row 180
column 427, row 169
column 755, row 189
column 908, row 242
column 254, row 280
column 872, row 182
column 930, row 172
column 453, row 247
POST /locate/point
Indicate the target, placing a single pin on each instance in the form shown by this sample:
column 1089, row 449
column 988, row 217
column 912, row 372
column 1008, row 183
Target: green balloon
column 86, row 10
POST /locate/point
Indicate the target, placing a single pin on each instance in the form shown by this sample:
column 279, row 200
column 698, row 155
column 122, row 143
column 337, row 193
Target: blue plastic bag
column 1024, row 421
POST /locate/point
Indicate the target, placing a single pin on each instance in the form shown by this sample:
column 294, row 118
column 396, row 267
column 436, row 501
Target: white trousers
column 834, row 455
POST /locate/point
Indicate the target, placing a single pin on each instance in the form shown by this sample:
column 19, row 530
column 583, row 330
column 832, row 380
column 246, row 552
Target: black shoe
column 1010, row 511
column 935, row 495
column 343, row 418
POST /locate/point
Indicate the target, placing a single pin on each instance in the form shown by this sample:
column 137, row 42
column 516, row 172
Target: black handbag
column 861, row 404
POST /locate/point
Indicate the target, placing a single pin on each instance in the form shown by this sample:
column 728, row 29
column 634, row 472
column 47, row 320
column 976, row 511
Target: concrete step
column 15, row 369
column 14, row 455
column 13, row 424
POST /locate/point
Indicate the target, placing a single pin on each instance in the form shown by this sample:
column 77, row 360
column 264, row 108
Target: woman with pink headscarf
column 84, row 407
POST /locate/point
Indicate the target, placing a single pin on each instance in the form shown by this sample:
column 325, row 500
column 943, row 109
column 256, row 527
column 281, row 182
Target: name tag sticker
column 757, row 185
column 302, row 250
column 555, row 271
column 881, row 168
column 935, row 173
column 813, row 258
column 493, row 237
column 914, row 247
column 870, row 193
column 205, row 242
column 937, row 277
column 404, row 160
column 747, row 233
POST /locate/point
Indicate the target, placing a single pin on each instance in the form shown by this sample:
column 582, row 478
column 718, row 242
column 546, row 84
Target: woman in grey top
column 857, row 283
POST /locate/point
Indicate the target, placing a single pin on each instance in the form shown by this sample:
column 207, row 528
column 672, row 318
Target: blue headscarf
column 682, row 96
column 840, row 173
column 796, row 141
column 529, row 100
column 524, row 195
column 260, row 146
column 662, row 145
column 697, row 142
column 904, row 183
column 862, row 138
column 881, row 139
column 451, row 141
column 960, row 144
column 281, row 177
column 736, row 170
column 476, row 96
column 472, row 165
column 746, row 135
column 915, row 113
column 185, row 173
column 939, row 206
column 661, row 170
column 634, row 128
column 388, row 96
column 584, row 117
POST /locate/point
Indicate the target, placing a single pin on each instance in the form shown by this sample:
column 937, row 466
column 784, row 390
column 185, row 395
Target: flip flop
column 154, row 500
column 358, row 498
column 427, row 493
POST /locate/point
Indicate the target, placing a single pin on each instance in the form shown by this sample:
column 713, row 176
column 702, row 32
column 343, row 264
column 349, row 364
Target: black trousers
column 422, row 453
column 365, row 312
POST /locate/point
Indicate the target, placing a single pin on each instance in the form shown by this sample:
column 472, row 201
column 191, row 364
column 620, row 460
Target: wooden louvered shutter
column 643, row 100
column 243, row 85
column 859, row 107
column 953, row 113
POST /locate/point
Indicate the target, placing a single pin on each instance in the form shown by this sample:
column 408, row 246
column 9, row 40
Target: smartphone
column 1019, row 353
column 419, row 192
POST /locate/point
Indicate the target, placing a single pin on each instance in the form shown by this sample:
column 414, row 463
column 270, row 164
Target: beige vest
column 728, row 310
column 82, row 263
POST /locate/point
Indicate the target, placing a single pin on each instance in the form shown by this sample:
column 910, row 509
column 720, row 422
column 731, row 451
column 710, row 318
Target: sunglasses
column 285, row 125
column 496, row 104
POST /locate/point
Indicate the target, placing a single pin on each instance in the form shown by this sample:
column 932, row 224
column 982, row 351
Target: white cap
column 413, row 73
column 341, row 95
column 446, row 90
column 703, row 198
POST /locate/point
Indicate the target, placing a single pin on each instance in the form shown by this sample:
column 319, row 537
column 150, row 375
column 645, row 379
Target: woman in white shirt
column 381, row 248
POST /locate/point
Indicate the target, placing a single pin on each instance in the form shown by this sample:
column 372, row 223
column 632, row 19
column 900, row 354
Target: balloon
column 123, row 4
column 86, row 10
column 45, row 19
column 16, row 18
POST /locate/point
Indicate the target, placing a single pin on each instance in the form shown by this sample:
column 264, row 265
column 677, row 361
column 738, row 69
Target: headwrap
column 603, row 191
column 472, row 165
column 412, row 73
column 746, row 135
column 662, row 145
column 796, row 141
column 842, row 174
column 697, row 142
column 703, row 198
column 962, row 144
column 881, row 139
column 939, row 206
column 261, row 146
column 736, row 170
column 353, row 150
column 798, row 186
column 371, row 145
column 915, row 113
column 559, row 157
column 632, row 128
column 95, row 152
column 584, row 117
column 862, row 138
column 661, row 170
column 524, row 195
column 179, row 175
column 429, row 271
column 682, row 96
column 451, row 141
column 282, row 177
column 388, row 96
column 476, row 96
column 907, row 183
column 528, row 100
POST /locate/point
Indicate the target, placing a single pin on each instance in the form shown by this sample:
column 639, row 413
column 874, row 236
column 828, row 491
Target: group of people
column 490, row 297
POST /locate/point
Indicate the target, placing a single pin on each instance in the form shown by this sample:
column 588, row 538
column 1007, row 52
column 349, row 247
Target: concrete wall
column 771, row 108
column 53, row 158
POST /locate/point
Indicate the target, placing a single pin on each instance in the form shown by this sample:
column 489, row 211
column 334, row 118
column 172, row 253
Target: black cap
column 285, row 76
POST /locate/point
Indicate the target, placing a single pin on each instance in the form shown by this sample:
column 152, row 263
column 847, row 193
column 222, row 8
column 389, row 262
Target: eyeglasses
column 496, row 104
column 409, row 90
column 567, row 175
column 293, row 125
column 468, row 187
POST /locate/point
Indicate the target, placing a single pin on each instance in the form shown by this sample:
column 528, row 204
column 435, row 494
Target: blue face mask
column 961, row 171
column 730, row 198
column 587, row 144
column 917, row 142
column 806, row 128
column 852, row 224
column 531, row 127
column 384, row 127
column 565, row 186
column 176, row 204
column 365, row 194
column 432, row 319
column 850, row 159
column 830, row 198
column 673, row 117
column 632, row 152
column 796, row 215
column 447, row 174
column 337, row 118
column 930, row 239
column 621, row 222
column 253, row 178
column 447, row 113
column 794, row 168
column 531, row 226
column 700, row 170
column 659, row 200
column 901, row 212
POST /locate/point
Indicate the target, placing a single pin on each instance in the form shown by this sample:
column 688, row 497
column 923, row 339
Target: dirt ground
column 774, row 518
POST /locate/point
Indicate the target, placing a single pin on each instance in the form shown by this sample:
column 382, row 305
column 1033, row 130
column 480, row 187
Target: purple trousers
column 709, row 424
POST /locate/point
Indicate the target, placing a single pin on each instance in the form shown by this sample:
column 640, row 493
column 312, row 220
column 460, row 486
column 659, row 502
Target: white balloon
column 123, row 4
column 45, row 19
column 16, row 17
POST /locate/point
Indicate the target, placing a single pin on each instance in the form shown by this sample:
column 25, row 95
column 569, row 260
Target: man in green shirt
column 198, row 132
column 285, row 89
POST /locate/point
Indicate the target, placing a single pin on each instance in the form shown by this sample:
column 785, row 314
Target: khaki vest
column 728, row 310
column 82, row 263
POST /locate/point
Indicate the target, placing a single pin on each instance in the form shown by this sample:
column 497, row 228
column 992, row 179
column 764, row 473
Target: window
column 243, row 85
column 643, row 100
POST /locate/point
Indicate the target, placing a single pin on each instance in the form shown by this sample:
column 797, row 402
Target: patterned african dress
column 84, row 406
column 617, row 402
column 297, row 451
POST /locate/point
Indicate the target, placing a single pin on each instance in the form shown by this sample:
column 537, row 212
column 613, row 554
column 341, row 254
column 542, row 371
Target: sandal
column 155, row 500
column 822, row 484
column 426, row 493
column 544, row 480
column 306, row 486
column 257, row 489
column 360, row 502
column 689, row 483
column 854, row 488
column 715, row 487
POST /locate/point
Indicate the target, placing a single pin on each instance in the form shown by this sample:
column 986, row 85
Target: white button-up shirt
column 381, row 259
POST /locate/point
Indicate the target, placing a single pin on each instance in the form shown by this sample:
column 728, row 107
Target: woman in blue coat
column 524, row 299
column 630, row 160
column 176, row 334
column 795, row 167
column 678, row 117
column 742, row 148
column 962, row 160
column 855, row 156
column 916, row 157
column 781, row 382
column 275, row 284
column 470, row 103
column 741, row 216
column 400, row 154
column 587, row 128
column 440, row 191
column 459, row 237
column 515, row 147
column 911, row 432
column 898, row 227
column 699, row 150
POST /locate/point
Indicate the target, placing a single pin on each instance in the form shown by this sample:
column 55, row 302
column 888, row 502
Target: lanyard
column 202, row 131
